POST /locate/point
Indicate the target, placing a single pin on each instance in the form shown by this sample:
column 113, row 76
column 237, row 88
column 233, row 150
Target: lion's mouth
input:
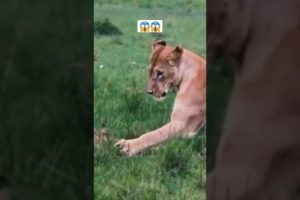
column 159, row 99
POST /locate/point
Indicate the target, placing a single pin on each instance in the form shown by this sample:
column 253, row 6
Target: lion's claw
column 126, row 147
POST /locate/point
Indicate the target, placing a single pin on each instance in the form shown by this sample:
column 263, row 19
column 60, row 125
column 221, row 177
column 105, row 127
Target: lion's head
column 163, row 69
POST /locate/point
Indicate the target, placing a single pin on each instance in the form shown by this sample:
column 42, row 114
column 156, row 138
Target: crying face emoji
column 155, row 26
column 144, row 26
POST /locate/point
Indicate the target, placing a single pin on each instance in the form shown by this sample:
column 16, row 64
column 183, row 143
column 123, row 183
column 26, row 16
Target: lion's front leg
column 134, row 146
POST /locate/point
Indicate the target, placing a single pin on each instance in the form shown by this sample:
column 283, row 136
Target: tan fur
column 263, row 117
column 182, row 69
column 100, row 136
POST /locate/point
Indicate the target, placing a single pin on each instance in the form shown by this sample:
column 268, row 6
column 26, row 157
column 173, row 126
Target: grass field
column 177, row 169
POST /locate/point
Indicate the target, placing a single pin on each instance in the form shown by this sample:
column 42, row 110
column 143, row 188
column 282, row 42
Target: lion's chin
column 159, row 99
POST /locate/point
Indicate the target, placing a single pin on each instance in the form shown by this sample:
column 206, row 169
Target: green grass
column 175, row 170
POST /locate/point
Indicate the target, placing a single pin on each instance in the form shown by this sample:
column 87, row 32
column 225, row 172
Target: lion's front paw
column 127, row 147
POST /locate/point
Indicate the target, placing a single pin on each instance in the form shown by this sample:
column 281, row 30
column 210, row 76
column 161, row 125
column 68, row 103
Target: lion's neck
column 190, row 70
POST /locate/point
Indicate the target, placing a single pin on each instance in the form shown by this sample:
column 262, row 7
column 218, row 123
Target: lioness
column 258, row 157
column 180, row 68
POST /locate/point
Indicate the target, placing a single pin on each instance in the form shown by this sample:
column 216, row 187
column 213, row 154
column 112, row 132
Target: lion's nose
column 149, row 91
column 163, row 94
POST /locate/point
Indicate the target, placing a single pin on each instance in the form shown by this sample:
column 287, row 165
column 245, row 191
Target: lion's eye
column 159, row 75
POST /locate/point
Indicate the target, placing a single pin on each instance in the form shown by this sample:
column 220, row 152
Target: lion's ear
column 177, row 51
column 158, row 43
column 175, row 55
